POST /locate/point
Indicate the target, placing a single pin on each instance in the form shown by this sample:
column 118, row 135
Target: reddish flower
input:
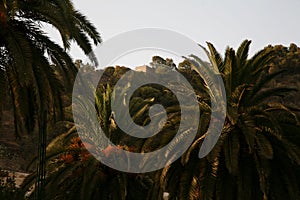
column 87, row 145
column 85, row 155
column 112, row 149
column 131, row 149
column 74, row 146
column 67, row 158
column 108, row 150
column 76, row 140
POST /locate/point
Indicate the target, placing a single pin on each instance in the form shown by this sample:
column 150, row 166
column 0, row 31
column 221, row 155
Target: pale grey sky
column 222, row 22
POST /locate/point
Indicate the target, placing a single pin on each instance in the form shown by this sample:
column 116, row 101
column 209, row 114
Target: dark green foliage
column 256, row 157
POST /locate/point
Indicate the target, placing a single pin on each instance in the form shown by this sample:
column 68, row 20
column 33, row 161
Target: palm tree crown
column 254, row 158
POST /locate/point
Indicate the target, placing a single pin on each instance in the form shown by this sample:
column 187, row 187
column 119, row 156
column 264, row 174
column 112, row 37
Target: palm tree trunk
column 41, row 165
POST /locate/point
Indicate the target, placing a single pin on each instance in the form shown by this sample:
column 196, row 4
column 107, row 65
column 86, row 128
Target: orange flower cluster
column 116, row 149
column 112, row 149
column 67, row 158
column 77, row 151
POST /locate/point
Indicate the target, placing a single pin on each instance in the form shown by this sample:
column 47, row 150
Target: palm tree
column 26, row 53
column 253, row 158
column 73, row 173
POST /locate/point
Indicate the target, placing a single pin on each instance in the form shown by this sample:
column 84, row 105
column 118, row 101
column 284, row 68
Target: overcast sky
column 222, row 22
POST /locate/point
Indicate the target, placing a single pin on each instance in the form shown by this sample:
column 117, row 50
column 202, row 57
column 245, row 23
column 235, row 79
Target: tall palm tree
column 253, row 158
column 26, row 53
